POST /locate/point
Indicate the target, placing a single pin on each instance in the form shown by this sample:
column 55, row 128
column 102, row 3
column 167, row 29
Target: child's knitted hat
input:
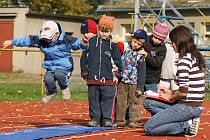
column 107, row 20
column 88, row 26
column 141, row 34
column 161, row 31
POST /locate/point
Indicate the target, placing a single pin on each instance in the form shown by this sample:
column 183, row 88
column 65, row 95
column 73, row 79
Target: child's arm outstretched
column 27, row 41
column 6, row 43
column 75, row 43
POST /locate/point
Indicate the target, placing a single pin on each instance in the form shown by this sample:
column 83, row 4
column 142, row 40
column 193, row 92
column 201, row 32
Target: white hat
column 49, row 29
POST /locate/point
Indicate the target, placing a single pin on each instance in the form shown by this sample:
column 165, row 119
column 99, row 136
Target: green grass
column 28, row 92
column 27, row 87
column 18, row 86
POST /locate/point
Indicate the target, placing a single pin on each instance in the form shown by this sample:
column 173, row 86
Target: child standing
column 133, row 79
column 101, row 80
column 89, row 30
column 155, row 55
column 58, row 62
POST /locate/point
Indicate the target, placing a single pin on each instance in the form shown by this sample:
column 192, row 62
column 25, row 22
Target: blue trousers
column 101, row 102
column 152, row 87
column 169, row 119
column 61, row 76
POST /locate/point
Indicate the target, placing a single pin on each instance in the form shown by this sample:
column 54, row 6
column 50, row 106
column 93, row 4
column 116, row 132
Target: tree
column 62, row 7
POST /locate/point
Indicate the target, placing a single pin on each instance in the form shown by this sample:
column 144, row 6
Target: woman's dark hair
column 184, row 41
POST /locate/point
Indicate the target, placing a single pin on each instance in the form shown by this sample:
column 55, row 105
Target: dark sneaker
column 120, row 124
column 193, row 129
column 47, row 98
column 93, row 124
column 108, row 124
column 133, row 125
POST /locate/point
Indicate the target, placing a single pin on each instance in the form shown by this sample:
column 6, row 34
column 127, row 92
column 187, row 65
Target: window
column 207, row 34
column 126, row 32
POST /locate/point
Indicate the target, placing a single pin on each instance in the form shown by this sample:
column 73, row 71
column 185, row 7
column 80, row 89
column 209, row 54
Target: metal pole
column 164, row 9
column 136, row 17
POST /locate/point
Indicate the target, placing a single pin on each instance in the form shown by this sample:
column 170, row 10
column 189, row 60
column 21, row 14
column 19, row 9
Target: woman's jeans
column 168, row 119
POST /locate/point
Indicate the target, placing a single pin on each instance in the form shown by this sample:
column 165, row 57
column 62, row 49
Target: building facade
column 18, row 22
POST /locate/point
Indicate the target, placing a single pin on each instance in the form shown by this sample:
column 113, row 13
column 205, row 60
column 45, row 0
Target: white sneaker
column 47, row 98
column 194, row 126
column 66, row 94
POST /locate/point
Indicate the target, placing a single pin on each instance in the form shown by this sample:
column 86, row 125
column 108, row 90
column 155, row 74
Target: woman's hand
column 165, row 93
column 6, row 43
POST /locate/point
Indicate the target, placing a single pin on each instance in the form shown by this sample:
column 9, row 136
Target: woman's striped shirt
column 191, row 80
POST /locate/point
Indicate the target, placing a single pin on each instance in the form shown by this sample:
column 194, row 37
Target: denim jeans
column 172, row 120
column 152, row 87
column 60, row 75
column 154, row 106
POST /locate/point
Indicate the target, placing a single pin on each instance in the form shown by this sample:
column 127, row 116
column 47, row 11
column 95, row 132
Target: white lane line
column 45, row 115
column 100, row 134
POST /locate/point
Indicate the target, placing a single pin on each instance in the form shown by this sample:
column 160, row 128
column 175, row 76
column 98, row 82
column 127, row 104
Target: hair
column 138, row 39
column 184, row 41
column 104, row 28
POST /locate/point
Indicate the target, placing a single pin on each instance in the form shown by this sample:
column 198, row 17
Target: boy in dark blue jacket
column 102, row 54
column 58, row 62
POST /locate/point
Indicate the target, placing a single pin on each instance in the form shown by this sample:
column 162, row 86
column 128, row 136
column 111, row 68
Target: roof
column 101, row 9
column 56, row 16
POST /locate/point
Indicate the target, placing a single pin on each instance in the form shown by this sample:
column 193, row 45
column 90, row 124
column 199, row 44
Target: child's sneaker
column 66, row 94
column 133, row 125
column 93, row 124
column 120, row 124
column 108, row 124
column 47, row 98
column 193, row 129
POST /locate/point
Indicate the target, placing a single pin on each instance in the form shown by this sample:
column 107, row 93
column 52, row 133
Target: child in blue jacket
column 58, row 62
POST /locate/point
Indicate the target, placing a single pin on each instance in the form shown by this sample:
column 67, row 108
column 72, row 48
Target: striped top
column 191, row 80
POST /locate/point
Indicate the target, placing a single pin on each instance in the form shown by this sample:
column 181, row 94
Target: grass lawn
column 26, row 87
column 24, row 91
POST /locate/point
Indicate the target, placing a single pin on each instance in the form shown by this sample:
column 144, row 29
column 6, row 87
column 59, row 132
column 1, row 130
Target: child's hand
column 85, row 42
column 115, row 79
column 6, row 43
column 142, row 51
column 138, row 93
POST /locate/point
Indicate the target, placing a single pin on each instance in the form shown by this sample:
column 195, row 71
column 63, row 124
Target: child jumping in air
column 58, row 62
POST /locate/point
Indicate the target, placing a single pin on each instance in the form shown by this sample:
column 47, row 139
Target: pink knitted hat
column 161, row 31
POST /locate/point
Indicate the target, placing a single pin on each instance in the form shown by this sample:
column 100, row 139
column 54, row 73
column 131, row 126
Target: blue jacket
column 57, row 54
column 134, row 67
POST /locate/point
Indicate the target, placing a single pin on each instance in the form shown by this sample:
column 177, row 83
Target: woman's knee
column 147, row 103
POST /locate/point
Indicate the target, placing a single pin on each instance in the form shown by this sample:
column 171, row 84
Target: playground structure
column 203, row 46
